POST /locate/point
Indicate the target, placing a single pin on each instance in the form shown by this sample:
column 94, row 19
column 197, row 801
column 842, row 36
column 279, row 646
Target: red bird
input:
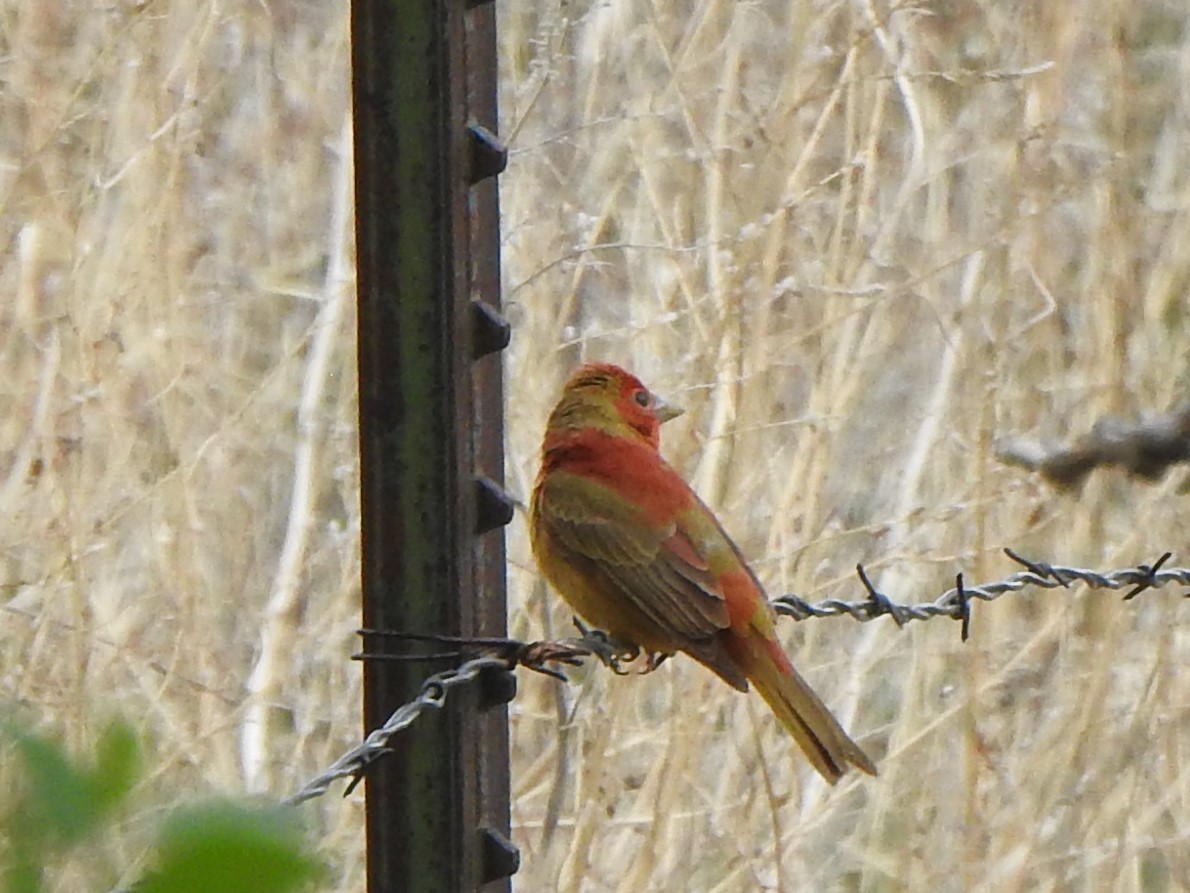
column 633, row 550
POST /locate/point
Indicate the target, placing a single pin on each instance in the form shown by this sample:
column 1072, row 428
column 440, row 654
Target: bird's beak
column 664, row 410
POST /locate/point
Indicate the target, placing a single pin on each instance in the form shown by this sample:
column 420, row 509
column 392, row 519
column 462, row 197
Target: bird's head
column 604, row 396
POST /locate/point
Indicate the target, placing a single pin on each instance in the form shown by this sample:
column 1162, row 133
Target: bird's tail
column 800, row 710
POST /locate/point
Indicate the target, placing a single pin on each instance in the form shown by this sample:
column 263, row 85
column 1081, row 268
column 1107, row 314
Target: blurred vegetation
column 860, row 242
column 61, row 803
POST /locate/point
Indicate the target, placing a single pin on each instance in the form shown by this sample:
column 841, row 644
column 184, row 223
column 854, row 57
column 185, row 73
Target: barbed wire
column 505, row 655
column 432, row 696
column 956, row 602
column 510, row 654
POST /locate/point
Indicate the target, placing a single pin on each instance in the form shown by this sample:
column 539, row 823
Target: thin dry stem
column 849, row 237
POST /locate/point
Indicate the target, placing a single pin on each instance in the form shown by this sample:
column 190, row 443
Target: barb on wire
column 505, row 655
column 1150, row 576
column 878, row 604
column 955, row 602
column 963, row 608
column 1040, row 568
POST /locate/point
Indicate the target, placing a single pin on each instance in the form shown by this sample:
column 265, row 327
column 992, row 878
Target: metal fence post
column 431, row 429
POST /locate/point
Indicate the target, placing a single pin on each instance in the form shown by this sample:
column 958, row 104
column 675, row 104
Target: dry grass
column 861, row 244
column 858, row 243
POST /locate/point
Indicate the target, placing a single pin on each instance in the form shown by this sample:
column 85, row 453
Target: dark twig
column 538, row 656
column 1146, row 449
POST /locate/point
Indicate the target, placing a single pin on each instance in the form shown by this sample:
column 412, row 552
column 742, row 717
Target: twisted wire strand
column 539, row 656
column 431, row 696
column 951, row 602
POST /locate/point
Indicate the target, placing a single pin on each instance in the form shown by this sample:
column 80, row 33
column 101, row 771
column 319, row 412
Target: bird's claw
column 616, row 653
column 612, row 652
column 656, row 659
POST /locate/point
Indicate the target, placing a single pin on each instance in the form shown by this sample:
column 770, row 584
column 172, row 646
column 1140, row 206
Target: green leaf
column 59, row 798
column 231, row 849
column 117, row 761
column 65, row 801
column 23, row 874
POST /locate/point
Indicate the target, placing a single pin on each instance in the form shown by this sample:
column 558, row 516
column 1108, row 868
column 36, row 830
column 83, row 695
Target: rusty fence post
column 431, row 430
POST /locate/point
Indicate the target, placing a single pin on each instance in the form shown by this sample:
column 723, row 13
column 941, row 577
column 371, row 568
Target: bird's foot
column 616, row 653
column 611, row 651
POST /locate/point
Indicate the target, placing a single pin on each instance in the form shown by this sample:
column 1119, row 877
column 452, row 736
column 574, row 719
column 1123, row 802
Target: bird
column 630, row 546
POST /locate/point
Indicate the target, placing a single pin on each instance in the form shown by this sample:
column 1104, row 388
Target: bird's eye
column 643, row 398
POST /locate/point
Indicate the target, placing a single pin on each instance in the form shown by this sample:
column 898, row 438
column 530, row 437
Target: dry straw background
column 859, row 241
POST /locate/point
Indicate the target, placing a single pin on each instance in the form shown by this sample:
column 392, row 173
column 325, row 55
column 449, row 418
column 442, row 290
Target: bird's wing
column 656, row 567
